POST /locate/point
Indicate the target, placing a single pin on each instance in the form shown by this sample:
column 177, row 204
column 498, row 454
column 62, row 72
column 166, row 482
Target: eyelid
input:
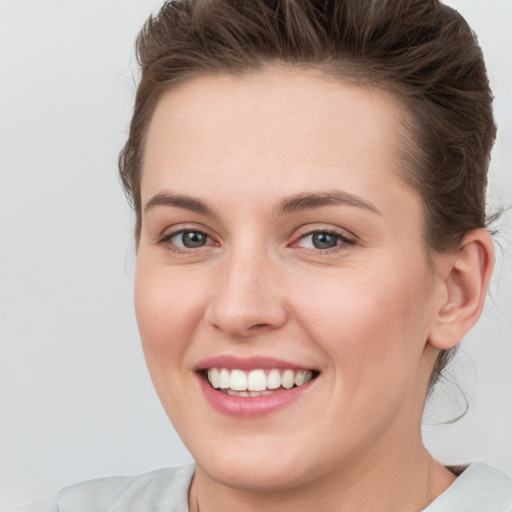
column 346, row 237
column 171, row 231
column 309, row 229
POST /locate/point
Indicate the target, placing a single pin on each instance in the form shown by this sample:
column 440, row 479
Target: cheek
column 372, row 324
column 167, row 311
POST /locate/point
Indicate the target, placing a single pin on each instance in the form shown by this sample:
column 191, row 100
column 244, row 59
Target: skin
column 370, row 314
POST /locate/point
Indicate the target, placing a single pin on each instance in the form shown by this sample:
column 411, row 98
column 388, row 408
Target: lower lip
column 250, row 407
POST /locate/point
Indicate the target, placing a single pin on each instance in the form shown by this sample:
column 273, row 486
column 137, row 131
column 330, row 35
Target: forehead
column 285, row 126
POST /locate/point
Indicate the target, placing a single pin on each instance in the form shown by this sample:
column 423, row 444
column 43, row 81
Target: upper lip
column 248, row 363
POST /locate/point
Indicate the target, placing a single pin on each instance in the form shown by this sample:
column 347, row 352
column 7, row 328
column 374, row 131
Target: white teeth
column 214, row 378
column 256, row 382
column 273, row 379
column 299, row 378
column 288, row 379
column 232, row 392
column 224, row 379
column 238, row 380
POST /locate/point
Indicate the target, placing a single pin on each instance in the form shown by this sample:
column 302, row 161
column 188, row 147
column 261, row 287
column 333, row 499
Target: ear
column 465, row 278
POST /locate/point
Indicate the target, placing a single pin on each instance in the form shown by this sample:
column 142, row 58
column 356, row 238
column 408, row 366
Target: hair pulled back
column 420, row 51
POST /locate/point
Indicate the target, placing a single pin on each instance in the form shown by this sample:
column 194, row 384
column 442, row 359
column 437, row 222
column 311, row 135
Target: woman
column 309, row 186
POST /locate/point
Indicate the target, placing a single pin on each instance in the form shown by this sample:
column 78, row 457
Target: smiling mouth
column 257, row 382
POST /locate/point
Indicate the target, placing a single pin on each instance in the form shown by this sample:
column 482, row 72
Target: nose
column 248, row 299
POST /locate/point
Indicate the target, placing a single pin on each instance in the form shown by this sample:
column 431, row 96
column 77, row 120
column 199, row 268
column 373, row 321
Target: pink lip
column 247, row 407
column 247, row 363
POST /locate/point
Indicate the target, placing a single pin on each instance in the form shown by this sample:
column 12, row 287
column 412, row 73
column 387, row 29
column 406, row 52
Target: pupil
column 324, row 240
column 193, row 239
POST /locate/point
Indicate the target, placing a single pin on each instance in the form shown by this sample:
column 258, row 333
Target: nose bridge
column 247, row 299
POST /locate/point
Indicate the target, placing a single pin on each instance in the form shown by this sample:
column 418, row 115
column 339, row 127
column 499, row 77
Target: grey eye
column 321, row 240
column 190, row 239
column 325, row 240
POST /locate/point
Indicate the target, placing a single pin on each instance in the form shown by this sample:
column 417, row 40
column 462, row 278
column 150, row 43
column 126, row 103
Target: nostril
column 241, row 317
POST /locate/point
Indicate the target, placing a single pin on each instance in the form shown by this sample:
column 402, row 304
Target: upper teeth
column 257, row 380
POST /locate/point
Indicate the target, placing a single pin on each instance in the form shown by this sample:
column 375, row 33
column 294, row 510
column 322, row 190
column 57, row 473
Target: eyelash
column 343, row 241
column 166, row 240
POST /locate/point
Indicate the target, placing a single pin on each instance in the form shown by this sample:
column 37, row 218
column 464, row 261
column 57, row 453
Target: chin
column 259, row 465
column 251, row 475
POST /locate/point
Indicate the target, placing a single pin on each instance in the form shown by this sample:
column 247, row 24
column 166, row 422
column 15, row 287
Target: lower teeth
column 252, row 394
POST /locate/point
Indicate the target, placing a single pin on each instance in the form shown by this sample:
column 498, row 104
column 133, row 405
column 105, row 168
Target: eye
column 323, row 240
column 187, row 239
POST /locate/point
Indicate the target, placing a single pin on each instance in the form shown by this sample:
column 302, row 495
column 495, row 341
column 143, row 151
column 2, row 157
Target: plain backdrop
column 76, row 401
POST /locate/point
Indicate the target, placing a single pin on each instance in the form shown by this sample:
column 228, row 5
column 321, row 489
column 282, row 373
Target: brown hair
column 421, row 51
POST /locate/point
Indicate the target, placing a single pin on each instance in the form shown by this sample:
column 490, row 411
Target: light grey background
column 76, row 400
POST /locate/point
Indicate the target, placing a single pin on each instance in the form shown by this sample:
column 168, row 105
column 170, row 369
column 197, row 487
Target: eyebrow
column 307, row 201
column 295, row 203
column 179, row 201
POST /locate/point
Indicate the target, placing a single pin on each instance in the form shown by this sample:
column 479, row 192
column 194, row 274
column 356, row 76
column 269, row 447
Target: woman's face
column 279, row 243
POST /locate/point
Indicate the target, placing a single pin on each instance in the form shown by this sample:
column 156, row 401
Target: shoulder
column 479, row 487
column 160, row 490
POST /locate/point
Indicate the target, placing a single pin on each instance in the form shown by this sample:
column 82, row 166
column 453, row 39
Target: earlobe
column 465, row 283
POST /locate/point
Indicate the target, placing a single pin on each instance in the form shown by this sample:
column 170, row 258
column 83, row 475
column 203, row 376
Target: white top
column 479, row 488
